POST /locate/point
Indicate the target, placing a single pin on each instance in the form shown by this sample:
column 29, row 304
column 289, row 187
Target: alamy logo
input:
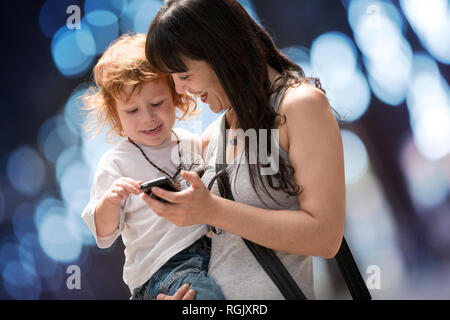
column 74, row 280
column 374, row 280
column 73, row 21
column 374, row 16
column 258, row 148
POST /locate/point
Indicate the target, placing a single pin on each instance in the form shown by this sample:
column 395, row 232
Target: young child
column 138, row 104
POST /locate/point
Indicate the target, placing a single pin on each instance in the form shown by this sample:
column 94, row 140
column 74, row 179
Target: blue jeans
column 188, row 266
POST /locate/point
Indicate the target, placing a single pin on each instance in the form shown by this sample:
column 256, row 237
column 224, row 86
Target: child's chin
column 155, row 141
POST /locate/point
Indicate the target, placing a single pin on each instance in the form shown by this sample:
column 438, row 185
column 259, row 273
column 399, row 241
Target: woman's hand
column 183, row 293
column 188, row 207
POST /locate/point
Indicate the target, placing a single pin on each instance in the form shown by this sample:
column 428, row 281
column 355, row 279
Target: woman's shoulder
column 306, row 104
column 306, row 109
column 304, row 98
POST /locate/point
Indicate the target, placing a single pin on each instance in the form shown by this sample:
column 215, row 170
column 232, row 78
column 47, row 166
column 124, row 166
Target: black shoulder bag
column 272, row 265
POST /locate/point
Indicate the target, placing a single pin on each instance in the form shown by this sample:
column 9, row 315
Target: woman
column 215, row 50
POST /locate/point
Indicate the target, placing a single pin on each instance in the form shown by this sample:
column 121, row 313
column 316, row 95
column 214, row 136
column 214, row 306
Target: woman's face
column 201, row 80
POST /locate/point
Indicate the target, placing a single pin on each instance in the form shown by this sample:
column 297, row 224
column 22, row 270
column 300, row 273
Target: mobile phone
column 162, row 182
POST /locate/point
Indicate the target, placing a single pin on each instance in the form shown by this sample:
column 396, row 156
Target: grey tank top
column 232, row 265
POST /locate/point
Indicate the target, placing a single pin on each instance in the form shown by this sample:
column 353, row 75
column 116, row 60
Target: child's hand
column 187, row 207
column 121, row 189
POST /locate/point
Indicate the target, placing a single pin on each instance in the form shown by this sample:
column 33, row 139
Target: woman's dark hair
column 223, row 34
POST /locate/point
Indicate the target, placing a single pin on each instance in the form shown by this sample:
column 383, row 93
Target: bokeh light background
column 383, row 64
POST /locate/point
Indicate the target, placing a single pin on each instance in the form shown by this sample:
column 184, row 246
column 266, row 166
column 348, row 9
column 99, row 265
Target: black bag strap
column 352, row 276
column 270, row 262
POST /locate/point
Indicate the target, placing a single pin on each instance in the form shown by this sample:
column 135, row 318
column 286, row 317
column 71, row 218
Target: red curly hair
column 124, row 63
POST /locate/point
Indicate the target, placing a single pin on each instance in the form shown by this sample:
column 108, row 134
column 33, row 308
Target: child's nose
column 149, row 114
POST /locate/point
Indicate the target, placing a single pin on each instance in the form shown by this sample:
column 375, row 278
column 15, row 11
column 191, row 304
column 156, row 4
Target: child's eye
column 157, row 104
column 184, row 77
column 132, row 111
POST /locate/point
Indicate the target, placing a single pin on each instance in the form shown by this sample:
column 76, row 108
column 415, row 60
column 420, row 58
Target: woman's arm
column 315, row 151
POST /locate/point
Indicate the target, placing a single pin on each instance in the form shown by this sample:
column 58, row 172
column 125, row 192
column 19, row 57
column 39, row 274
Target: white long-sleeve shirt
column 150, row 241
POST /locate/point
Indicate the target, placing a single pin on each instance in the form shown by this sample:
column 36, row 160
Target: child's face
column 148, row 116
